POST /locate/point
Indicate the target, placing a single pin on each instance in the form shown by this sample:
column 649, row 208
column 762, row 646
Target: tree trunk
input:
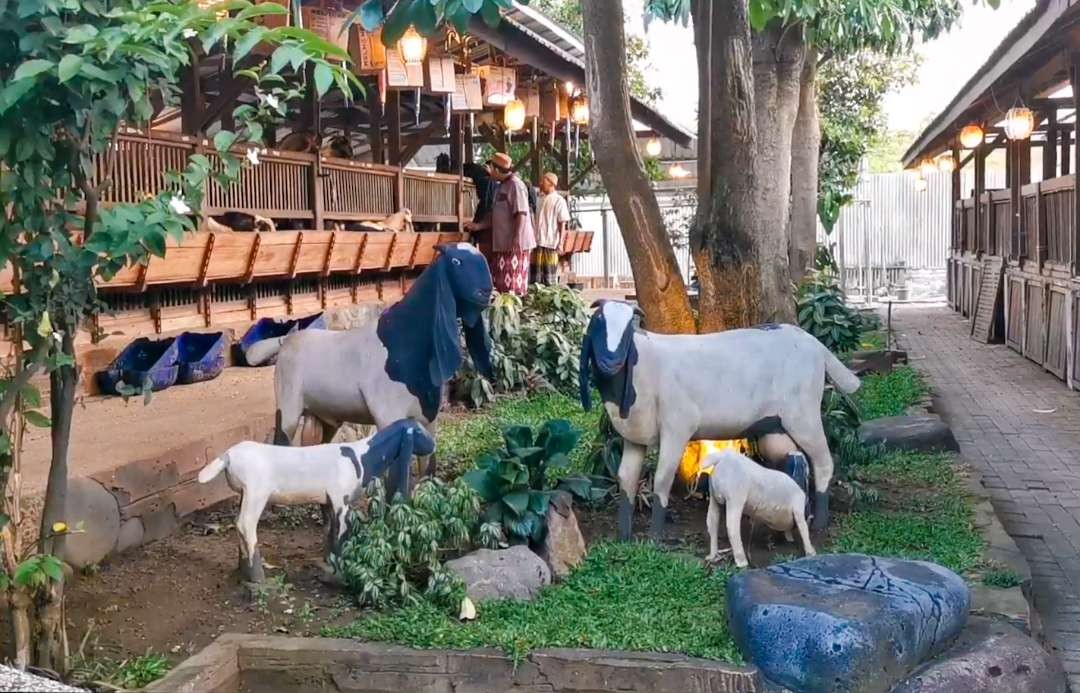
column 778, row 59
column 805, row 149
column 658, row 281
column 723, row 237
column 51, row 650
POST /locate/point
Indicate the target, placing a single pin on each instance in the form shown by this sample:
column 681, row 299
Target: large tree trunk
column 805, row 149
column 52, row 640
column 778, row 59
column 723, row 238
column 658, row 281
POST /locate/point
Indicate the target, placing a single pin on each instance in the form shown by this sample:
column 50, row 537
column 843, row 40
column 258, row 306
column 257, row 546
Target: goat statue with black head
column 391, row 369
column 666, row 390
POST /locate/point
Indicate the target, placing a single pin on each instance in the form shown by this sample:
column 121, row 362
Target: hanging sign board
column 439, row 75
column 329, row 25
column 530, row 96
column 402, row 76
column 554, row 105
column 367, row 50
column 499, row 84
column 467, row 96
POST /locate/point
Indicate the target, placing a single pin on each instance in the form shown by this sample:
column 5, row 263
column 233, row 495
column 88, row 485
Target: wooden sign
column 402, row 76
column 498, row 82
column 439, row 75
column 554, row 105
column 530, row 96
column 467, row 96
column 328, row 25
column 367, row 50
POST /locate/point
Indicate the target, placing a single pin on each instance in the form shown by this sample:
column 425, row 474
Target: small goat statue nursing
column 667, row 390
column 333, row 474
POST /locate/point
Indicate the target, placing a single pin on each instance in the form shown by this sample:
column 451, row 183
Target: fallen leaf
column 1044, row 411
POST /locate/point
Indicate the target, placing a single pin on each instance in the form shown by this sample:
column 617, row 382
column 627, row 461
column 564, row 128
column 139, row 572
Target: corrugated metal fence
column 891, row 224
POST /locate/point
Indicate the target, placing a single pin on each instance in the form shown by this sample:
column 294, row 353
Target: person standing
column 510, row 228
column 551, row 221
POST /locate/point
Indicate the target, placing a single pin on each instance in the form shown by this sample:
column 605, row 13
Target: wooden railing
column 965, row 225
column 1047, row 230
column 308, row 188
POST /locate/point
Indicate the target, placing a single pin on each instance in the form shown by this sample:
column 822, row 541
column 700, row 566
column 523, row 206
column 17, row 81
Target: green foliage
column 890, row 394
column 535, row 345
column 128, row 674
column 624, row 596
column 1002, row 578
column 462, row 439
column 34, row 573
column 924, row 513
column 823, row 313
column 426, row 16
column 514, row 482
column 851, row 97
column 395, row 554
column 886, row 149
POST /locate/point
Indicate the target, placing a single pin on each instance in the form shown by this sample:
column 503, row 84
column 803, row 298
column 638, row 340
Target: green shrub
column 1002, row 578
column 535, row 345
column 623, row 596
column 514, row 482
column 823, row 313
column 394, row 555
column 889, row 394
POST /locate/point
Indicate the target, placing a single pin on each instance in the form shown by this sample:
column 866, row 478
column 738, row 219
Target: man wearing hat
column 551, row 222
column 510, row 227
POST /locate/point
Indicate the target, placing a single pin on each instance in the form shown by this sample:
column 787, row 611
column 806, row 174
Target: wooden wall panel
column 1014, row 329
column 1035, row 322
column 1057, row 334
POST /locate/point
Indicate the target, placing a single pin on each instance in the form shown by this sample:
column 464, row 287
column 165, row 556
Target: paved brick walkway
column 997, row 403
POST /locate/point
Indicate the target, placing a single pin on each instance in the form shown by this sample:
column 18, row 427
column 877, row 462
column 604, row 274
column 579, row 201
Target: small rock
column 513, row 573
column 990, row 656
column 847, row 622
column 921, row 433
column 564, row 547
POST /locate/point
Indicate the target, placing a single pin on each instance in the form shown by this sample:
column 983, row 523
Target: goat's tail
column 210, row 471
column 263, row 350
column 840, row 375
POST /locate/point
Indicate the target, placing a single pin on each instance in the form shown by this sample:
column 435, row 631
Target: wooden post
column 536, row 157
column 1049, row 158
column 468, row 137
column 456, row 137
column 954, row 197
column 375, row 136
column 1074, row 80
column 192, row 102
column 980, row 188
column 1064, row 137
column 393, row 116
column 564, row 160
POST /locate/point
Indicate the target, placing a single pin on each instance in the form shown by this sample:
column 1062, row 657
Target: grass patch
column 1002, row 578
column 132, row 673
column 623, row 596
column 889, row 394
column 873, row 340
column 464, row 437
column 923, row 513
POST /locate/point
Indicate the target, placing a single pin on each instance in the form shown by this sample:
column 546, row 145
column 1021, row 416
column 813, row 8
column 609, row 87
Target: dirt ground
column 176, row 595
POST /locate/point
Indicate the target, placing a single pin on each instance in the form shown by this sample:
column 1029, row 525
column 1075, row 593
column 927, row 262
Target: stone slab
column 925, row 433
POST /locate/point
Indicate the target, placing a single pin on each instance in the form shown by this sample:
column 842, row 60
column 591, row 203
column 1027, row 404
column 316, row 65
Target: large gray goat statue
column 667, row 390
column 395, row 368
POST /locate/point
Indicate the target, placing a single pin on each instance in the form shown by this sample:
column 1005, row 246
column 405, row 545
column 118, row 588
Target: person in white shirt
column 551, row 220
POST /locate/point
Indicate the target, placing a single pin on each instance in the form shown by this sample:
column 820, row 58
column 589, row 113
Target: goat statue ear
column 585, row 370
column 400, row 470
column 478, row 342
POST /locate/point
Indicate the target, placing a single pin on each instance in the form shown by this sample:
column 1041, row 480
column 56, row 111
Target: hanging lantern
column 1019, row 123
column 946, row 163
column 653, row 147
column 514, row 115
column 920, row 185
column 926, row 167
column 678, row 172
column 570, row 88
column 579, row 112
column 971, row 136
column 412, row 47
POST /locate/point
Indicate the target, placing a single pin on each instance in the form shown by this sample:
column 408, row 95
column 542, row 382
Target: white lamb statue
column 764, row 494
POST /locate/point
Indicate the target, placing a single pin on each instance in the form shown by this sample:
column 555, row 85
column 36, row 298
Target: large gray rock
column 91, row 504
column 513, row 573
column 845, row 622
column 990, row 656
column 923, row 433
column 564, row 547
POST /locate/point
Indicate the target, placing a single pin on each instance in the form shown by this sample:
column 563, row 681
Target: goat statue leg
column 633, row 457
column 672, row 447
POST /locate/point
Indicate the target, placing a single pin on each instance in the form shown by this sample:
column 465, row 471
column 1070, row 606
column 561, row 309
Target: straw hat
column 502, row 161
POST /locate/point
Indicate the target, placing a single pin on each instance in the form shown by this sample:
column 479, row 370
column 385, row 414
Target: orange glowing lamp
column 698, row 450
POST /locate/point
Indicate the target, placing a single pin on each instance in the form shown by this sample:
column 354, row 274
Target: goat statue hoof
column 626, row 518
column 821, row 512
column 659, row 517
column 251, row 570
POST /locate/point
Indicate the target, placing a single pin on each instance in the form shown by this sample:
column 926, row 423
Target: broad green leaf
column 94, row 72
column 36, row 418
column 517, row 437
column 580, row 486
column 491, row 15
column 70, row 65
column 398, row 21
column 480, row 481
column 472, row 6
column 518, row 501
column 324, row 78
column 32, row 68
column 224, row 140
column 248, row 42
column 80, row 34
column 155, row 243
column 371, row 14
column 13, row 93
column 52, row 567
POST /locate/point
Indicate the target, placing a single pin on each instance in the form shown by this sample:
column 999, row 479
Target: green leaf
column 52, row 567
column 517, row 501
column 473, row 6
column 324, row 78
column 13, row 93
column 80, row 34
column 581, row 487
column 155, row 243
column 538, row 501
column 32, row 68
column 490, row 13
column 94, row 72
column 250, row 40
column 36, row 418
column 224, row 140
column 70, row 65
column 481, row 482
column 398, row 21
column 517, row 437
column 371, row 14
column 759, row 15
column 287, row 55
column 558, row 461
